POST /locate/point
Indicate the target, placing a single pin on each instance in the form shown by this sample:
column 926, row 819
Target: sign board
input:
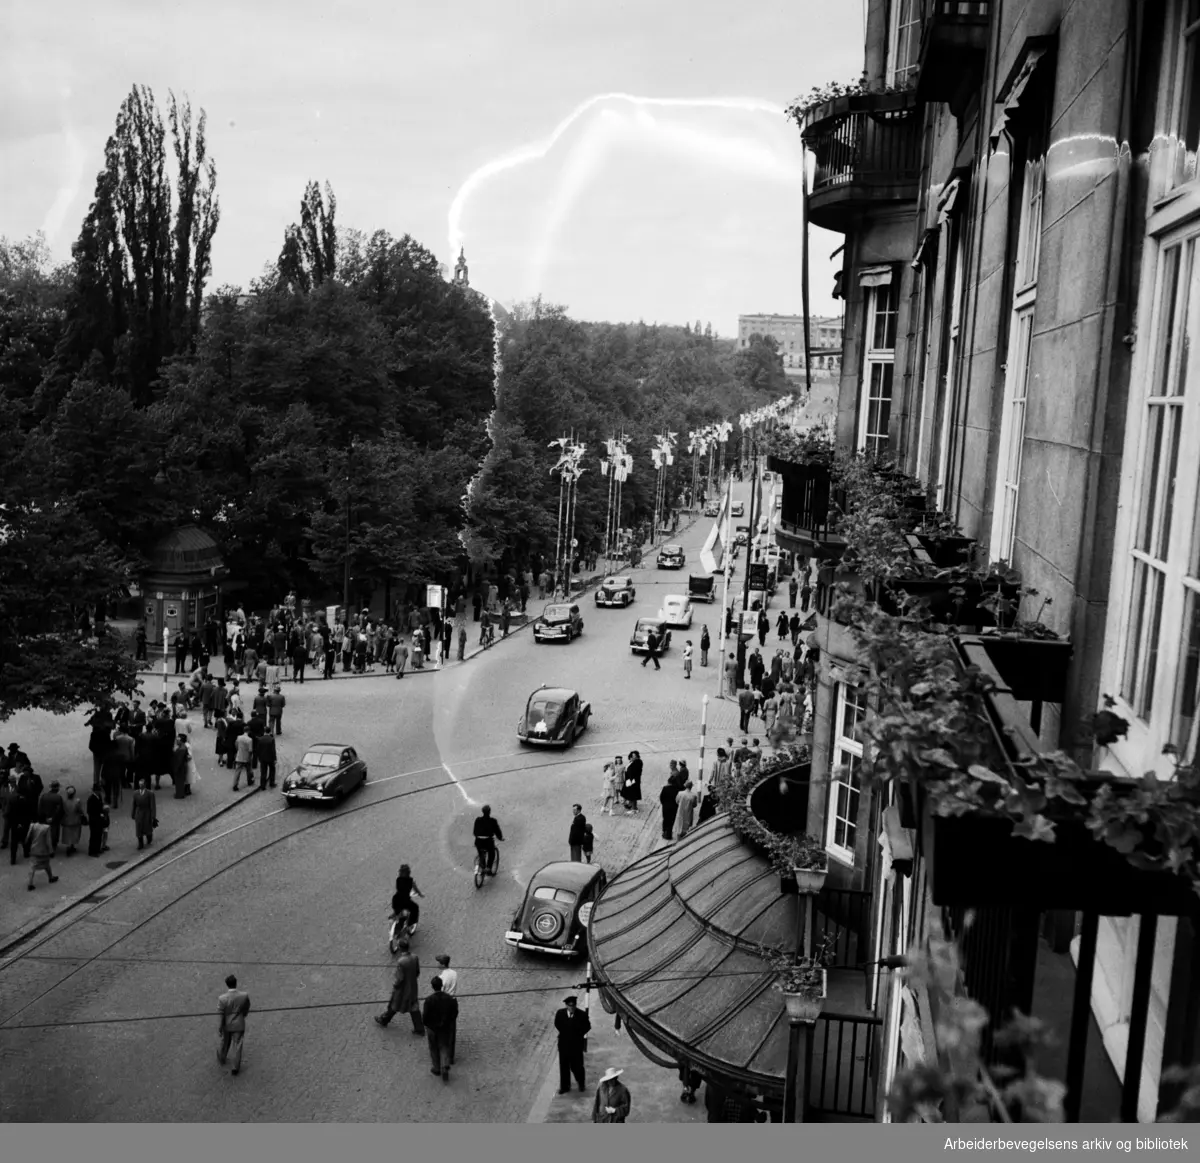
column 331, row 615
column 433, row 597
column 750, row 622
column 758, row 575
column 172, row 612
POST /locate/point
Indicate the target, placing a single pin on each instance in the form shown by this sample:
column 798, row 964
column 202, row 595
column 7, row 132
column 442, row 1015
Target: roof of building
column 673, row 939
column 188, row 549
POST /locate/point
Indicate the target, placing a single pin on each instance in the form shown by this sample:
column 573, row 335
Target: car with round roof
column 554, row 717
column 558, row 903
column 672, row 557
column 616, row 591
column 641, row 635
column 328, row 773
column 676, row 611
column 558, row 622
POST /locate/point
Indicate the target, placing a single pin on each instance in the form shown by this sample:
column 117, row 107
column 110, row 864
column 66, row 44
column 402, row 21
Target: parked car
column 702, row 588
column 671, row 557
column 558, row 903
column 328, row 772
column 712, row 509
column 558, row 623
column 637, row 643
column 676, row 611
column 616, row 591
column 738, row 509
column 553, row 717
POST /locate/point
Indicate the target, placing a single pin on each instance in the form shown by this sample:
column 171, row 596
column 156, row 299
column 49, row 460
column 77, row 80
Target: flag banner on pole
column 603, row 467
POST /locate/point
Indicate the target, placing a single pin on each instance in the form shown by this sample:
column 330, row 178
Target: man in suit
column 572, row 1025
column 440, row 1016
column 233, row 1006
column 576, row 834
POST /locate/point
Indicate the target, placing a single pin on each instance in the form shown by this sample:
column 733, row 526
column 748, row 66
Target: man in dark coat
column 299, row 662
column 572, row 1025
column 632, row 791
column 440, row 1015
column 652, row 650
column 404, row 990
column 576, row 834
column 267, row 756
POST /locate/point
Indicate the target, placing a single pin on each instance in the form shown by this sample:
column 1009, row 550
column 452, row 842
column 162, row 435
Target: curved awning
column 673, row 943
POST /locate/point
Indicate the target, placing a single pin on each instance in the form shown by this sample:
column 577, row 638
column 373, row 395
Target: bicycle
column 493, row 865
column 401, row 930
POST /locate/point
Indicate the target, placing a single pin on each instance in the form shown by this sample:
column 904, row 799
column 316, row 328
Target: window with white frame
column 1016, row 375
column 944, row 404
column 875, row 406
column 1182, row 94
column 846, row 772
column 904, row 41
column 1160, row 653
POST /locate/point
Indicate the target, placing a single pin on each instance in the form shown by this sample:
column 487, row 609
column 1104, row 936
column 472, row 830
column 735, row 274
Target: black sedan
column 641, row 635
column 671, row 557
column 558, row 903
column 558, row 623
column 616, row 591
column 553, row 717
column 328, row 772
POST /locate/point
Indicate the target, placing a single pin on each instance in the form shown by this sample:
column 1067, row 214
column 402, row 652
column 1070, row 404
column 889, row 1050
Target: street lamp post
column 166, row 651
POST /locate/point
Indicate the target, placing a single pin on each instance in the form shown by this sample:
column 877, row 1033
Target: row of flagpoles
column 616, row 465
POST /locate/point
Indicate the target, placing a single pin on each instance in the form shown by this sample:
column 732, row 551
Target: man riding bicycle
column 487, row 832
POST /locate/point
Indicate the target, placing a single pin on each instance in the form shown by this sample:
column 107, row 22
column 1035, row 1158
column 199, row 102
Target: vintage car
column 553, row 917
column 328, row 772
column 553, row 717
column 712, row 509
column 637, row 643
column 616, row 591
column 676, row 611
column 738, row 510
column 671, row 557
column 702, row 587
column 560, row 622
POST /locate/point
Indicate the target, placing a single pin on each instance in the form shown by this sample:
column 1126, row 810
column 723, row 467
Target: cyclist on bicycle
column 487, row 832
column 402, row 900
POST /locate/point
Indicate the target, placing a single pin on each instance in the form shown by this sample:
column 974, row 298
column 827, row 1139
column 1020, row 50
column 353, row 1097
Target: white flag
column 603, row 467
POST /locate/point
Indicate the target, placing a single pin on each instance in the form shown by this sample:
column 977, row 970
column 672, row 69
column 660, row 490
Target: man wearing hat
column 572, row 1025
column 612, row 1098
column 449, row 988
column 404, row 990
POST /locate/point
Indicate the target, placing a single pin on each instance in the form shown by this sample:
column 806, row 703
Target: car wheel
column 288, row 802
column 569, row 738
column 546, row 925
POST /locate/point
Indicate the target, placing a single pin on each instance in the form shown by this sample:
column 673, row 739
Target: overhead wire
column 586, row 985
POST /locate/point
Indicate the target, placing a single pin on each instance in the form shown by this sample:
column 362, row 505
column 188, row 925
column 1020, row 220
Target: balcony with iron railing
column 868, row 153
column 954, row 39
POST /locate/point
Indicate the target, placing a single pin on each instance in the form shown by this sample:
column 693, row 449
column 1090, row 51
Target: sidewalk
column 654, row 1090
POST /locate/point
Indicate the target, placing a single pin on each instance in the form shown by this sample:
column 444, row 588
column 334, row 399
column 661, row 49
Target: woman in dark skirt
column 632, row 791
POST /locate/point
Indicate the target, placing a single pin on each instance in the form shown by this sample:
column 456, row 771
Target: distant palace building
column 788, row 332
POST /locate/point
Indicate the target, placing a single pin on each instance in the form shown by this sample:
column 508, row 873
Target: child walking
column 687, row 659
column 614, row 780
column 589, row 843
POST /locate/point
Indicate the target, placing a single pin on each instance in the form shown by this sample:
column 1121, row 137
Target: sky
column 625, row 160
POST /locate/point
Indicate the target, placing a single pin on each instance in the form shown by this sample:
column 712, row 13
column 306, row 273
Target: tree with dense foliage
column 141, row 260
column 309, row 256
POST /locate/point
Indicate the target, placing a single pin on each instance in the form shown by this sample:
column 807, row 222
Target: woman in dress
column 72, row 821
column 145, row 810
column 632, row 791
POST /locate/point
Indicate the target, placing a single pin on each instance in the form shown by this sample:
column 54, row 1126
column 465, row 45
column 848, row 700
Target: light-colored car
column 676, row 611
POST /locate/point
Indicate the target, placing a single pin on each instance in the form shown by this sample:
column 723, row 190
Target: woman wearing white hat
column 612, row 1098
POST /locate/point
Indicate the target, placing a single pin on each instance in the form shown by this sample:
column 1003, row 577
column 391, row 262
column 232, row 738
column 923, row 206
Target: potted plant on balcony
column 801, row 861
column 803, row 981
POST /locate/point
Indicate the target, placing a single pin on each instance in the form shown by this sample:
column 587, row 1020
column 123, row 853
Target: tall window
column 904, row 41
column 846, row 772
column 944, row 404
column 1016, row 376
column 875, row 408
column 1183, row 91
column 1160, row 664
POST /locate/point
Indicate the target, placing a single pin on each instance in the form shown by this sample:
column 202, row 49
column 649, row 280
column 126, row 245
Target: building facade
column 1019, row 196
column 788, row 333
